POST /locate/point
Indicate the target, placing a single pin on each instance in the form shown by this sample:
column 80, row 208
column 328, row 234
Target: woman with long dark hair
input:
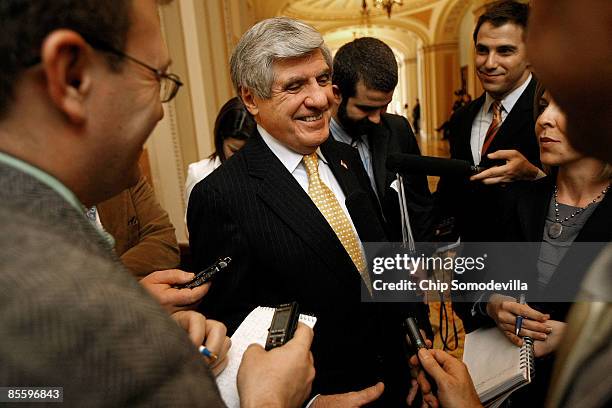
column 233, row 127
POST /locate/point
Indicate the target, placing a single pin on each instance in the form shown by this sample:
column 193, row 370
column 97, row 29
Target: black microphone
column 430, row 166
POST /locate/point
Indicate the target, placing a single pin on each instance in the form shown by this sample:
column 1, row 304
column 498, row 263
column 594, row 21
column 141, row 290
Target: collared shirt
column 485, row 117
column 54, row 184
column 293, row 161
column 362, row 145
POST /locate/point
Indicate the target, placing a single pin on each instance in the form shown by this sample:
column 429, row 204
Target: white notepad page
column 495, row 365
column 254, row 329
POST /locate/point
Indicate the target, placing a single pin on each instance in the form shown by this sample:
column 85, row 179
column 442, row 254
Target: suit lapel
column 39, row 201
column 514, row 119
column 279, row 190
column 113, row 216
column 379, row 144
column 599, row 224
column 534, row 207
column 358, row 202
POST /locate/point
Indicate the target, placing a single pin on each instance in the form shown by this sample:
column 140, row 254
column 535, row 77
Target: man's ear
column 337, row 94
column 248, row 98
column 66, row 61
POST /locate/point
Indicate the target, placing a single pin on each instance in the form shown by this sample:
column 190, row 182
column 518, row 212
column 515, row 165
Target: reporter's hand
column 159, row 285
column 419, row 380
column 505, row 309
column 455, row 387
column 542, row 348
column 353, row 399
column 207, row 332
column 281, row 377
column 517, row 167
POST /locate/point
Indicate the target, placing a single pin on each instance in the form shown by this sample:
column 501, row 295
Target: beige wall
column 200, row 36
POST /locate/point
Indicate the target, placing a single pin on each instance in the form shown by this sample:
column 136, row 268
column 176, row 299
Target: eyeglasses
column 169, row 83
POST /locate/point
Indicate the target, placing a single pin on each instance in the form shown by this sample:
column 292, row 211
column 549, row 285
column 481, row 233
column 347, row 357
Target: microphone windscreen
column 431, row 166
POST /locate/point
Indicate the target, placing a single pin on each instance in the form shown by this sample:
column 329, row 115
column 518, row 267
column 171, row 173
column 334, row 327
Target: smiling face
column 501, row 60
column 359, row 113
column 127, row 104
column 297, row 114
column 550, row 128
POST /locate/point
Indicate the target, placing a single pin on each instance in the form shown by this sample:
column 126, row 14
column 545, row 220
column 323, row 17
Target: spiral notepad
column 497, row 367
column 254, row 329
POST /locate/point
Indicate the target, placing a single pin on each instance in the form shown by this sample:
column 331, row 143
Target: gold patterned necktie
column 328, row 205
column 493, row 128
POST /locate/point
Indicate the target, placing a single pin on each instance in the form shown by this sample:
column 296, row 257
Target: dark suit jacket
column 72, row 316
column 254, row 211
column 144, row 237
column 474, row 205
column 394, row 135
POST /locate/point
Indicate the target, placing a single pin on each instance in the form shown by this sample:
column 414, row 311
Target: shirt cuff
column 479, row 307
column 540, row 175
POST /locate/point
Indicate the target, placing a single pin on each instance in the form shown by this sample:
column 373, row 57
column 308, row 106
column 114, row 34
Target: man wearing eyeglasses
column 80, row 84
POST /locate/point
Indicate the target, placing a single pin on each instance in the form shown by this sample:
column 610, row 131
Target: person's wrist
column 491, row 304
column 489, row 309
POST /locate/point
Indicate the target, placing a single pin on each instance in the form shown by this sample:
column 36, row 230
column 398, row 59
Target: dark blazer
column 144, row 236
column 72, row 316
column 254, row 211
column 525, row 212
column 475, row 205
column 394, row 135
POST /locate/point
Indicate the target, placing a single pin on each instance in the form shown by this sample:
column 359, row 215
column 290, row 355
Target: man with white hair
column 291, row 209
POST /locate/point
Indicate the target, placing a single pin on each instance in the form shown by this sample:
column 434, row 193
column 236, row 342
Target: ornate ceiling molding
column 448, row 25
column 445, row 47
column 333, row 10
column 403, row 41
column 403, row 26
column 432, row 21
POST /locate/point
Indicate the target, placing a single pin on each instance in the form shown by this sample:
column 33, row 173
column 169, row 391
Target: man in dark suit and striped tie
column 497, row 129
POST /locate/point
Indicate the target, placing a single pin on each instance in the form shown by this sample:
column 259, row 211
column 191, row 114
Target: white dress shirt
column 294, row 164
column 485, row 117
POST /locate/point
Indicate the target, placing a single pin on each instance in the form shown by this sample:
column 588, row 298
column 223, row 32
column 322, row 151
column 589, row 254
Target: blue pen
column 206, row 352
column 519, row 319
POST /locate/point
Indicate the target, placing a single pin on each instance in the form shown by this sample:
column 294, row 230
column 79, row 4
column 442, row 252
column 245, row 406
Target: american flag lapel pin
column 343, row 164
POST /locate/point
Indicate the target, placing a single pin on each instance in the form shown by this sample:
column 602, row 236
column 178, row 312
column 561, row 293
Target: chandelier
column 387, row 5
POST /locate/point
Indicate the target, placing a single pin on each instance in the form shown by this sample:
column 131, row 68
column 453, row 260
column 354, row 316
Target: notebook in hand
column 254, row 329
column 497, row 366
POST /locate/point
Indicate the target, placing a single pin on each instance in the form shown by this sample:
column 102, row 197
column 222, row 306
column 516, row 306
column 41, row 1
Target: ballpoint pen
column 206, row 352
column 519, row 319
